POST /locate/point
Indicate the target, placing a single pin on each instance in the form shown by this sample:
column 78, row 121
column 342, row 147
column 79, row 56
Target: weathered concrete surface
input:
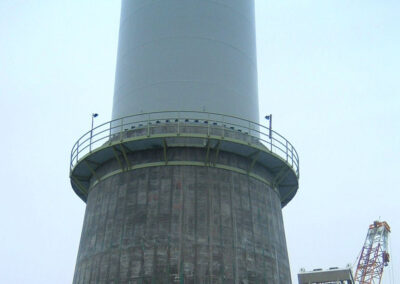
column 168, row 223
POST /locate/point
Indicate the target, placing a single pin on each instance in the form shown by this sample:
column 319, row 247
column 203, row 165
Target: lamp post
column 269, row 117
column 94, row 115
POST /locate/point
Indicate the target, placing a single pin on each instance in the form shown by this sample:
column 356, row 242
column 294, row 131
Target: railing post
column 179, row 121
column 109, row 132
column 270, row 138
column 148, row 126
column 77, row 152
column 287, row 154
column 208, row 125
column 71, row 158
column 292, row 155
column 122, row 126
column 90, row 140
column 250, row 129
column 223, row 126
column 297, row 169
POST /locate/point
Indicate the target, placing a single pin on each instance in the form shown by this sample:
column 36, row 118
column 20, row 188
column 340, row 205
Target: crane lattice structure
column 374, row 254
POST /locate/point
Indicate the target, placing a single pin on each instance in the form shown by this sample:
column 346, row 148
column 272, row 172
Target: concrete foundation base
column 182, row 224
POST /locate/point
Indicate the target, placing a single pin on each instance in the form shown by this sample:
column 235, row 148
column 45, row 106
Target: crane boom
column 374, row 254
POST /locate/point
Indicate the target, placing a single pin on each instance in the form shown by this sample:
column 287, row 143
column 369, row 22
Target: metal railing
column 177, row 121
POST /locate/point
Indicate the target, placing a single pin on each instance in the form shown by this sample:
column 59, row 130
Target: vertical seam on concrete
column 104, row 197
column 277, row 266
column 273, row 241
column 92, row 274
column 122, row 231
column 234, row 232
column 135, row 215
column 210, row 228
column 265, row 267
column 87, row 271
column 143, row 237
column 115, row 209
column 89, row 221
column 155, row 257
column 84, row 274
column 181, row 225
column 245, row 277
column 105, row 231
column 170, row 223
column 129, row 247
column 79, row 277
column 87, row 266
column 195, row 188
column 91, row 263
column 252, row 224
column 266, row 230
column 222, row 274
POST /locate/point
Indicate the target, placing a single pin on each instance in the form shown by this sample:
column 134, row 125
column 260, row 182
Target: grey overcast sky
column 328, row 71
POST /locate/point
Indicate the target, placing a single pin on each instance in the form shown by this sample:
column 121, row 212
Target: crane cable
column 355, row 263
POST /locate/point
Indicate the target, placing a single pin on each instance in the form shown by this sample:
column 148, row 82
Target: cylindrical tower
column 187, row 55
column 184, row 185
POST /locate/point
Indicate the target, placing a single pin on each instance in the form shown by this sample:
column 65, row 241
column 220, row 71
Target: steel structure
column 374, row 254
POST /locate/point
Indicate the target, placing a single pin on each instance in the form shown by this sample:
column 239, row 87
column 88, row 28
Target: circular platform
column 215, row 133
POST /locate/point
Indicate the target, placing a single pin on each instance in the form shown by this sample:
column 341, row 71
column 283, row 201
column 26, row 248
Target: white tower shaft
column 187, row 55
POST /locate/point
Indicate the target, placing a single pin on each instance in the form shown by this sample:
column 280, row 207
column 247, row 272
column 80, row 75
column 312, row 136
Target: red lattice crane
column 374, row 254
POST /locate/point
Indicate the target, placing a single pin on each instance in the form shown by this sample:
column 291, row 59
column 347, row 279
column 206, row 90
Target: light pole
column 91, row 131
column 269, row 117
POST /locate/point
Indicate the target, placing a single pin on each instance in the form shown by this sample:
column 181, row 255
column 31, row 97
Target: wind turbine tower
column 184, row 185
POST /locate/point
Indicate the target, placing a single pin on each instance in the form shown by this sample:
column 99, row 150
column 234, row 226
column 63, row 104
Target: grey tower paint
column 187, row 55
column 184, row 209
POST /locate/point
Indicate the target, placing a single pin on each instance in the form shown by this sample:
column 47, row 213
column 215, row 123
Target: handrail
column 107, row 131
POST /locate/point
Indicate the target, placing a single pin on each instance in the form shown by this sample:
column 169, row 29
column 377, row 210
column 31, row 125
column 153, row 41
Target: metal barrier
column 117, row 130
